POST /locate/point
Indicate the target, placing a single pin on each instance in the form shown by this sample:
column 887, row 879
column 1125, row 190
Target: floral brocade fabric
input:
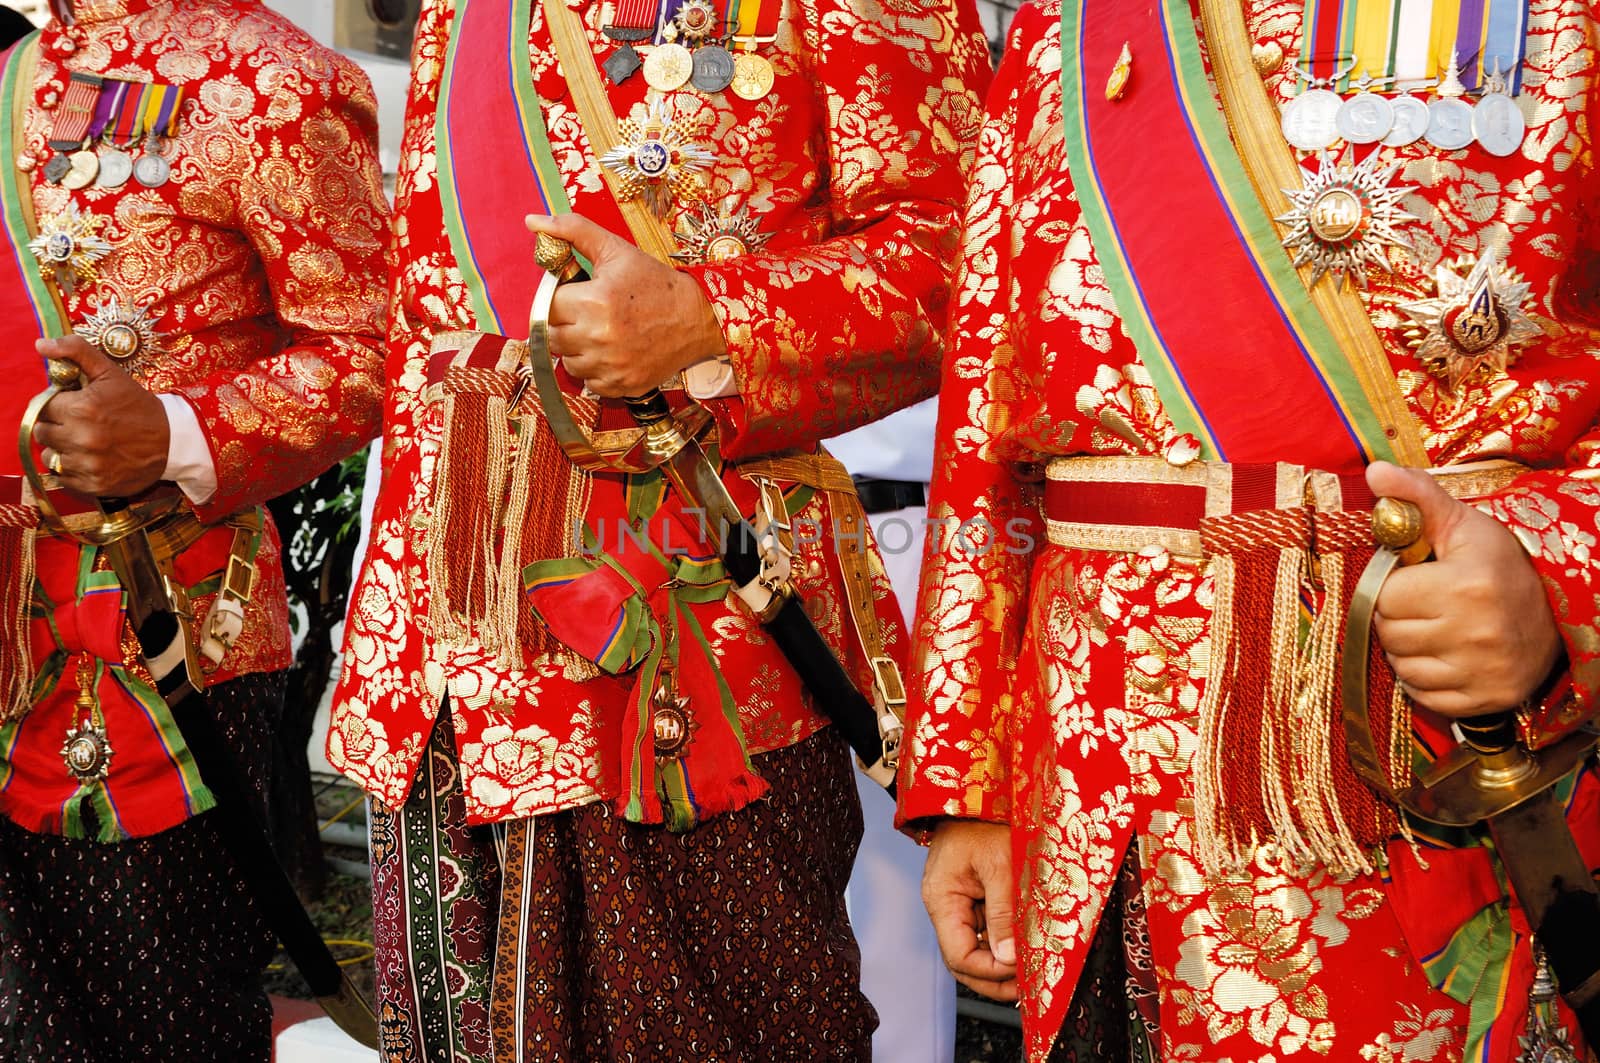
column 1059, row 690
column 851, row 168
column 258, row 267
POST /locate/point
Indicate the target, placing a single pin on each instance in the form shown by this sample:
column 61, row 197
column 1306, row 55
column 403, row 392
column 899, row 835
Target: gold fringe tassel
column 16, row 600
column 1272, row 761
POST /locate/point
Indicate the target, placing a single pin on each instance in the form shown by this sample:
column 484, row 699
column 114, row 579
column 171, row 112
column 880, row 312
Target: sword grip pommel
column 1397, row 525
column 555, row 256
column 64, row 375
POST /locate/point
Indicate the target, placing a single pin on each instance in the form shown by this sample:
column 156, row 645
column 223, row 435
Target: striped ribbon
column 1411, row 41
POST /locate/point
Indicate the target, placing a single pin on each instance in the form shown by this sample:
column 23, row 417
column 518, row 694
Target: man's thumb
column 1440, row 512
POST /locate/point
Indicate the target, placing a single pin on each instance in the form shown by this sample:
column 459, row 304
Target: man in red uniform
column 554, row 647
column 1179, row 346
column 195, row 214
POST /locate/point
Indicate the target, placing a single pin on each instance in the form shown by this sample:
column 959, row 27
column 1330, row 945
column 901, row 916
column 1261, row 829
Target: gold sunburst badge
column 713, row 235
column 1345, row 217
column 120, row 334
column 1475, row 321
column 657, row 159
column 68, row 246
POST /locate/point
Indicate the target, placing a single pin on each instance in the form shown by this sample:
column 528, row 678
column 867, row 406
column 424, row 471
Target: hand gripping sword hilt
column 1491, row 771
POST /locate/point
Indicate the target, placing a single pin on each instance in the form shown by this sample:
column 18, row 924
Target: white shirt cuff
column 188, row 453
column 710, row 379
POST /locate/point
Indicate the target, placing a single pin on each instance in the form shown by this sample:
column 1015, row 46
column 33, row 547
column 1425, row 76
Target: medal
column 622, row 64
column 82, row 166
column 755, row 23
column 1410, row 121
column 1344, row 218
column 116, row 166
column 671, row 725
column 69, row 134
column 1449, row 116
column 1449, row 123
column 56, row 169
column 713, row 69
column 656, row 159
column 68, row 246
column 1497, row 121
column 695, row 21
column 121, row 335
column 1475, row 321
column 668, row 67
column 1545, row 1039
column 753, row 76
column 714, row 236
column 1366, row 117
column 635, row 21
column 152, row 171
column 1310, row 121
column 87, row 751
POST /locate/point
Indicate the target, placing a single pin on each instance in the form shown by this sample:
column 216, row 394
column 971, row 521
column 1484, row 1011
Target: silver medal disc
column 1365, row 118
column 1410, row 121
column 115, row 168
column 1498, row 124
column 713, row 69
column 1449, row 123
column 152, row 171
column 1311, row 119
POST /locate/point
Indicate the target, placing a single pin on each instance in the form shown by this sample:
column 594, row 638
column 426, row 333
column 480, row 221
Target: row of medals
column 1318, row 118
column 108, row 166
column 708, row 65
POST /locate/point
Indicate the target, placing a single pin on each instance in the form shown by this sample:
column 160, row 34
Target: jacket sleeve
column 313, row 210
column 1555, row 514
column 834, row 334
column 974, row 597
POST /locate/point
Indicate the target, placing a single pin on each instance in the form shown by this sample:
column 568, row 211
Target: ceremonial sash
column 495, row 162
column 1243, row 357
column 28, row 304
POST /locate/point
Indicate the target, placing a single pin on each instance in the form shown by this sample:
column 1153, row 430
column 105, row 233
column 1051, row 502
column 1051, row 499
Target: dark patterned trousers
column 618, row 941
column 149, row 949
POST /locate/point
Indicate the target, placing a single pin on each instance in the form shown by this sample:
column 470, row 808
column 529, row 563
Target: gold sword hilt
column 1491, row 771
column 663, row 436
column 116, row 521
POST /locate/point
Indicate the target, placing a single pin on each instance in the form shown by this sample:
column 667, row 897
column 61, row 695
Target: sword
column 159, row 614
column 1490, row 778
column 873, row 731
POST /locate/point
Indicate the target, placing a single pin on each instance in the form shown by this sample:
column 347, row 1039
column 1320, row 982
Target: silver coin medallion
column 1364, row 118
column 115, row 168
column 1449, row 123
column 152, row 171
column 1410, row 121
column 1311, row 120
column 1498, row 124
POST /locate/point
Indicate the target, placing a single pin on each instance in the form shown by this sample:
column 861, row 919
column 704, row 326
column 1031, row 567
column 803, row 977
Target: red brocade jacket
column 851, row 170
column 257, row 272
column 1058, row 688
